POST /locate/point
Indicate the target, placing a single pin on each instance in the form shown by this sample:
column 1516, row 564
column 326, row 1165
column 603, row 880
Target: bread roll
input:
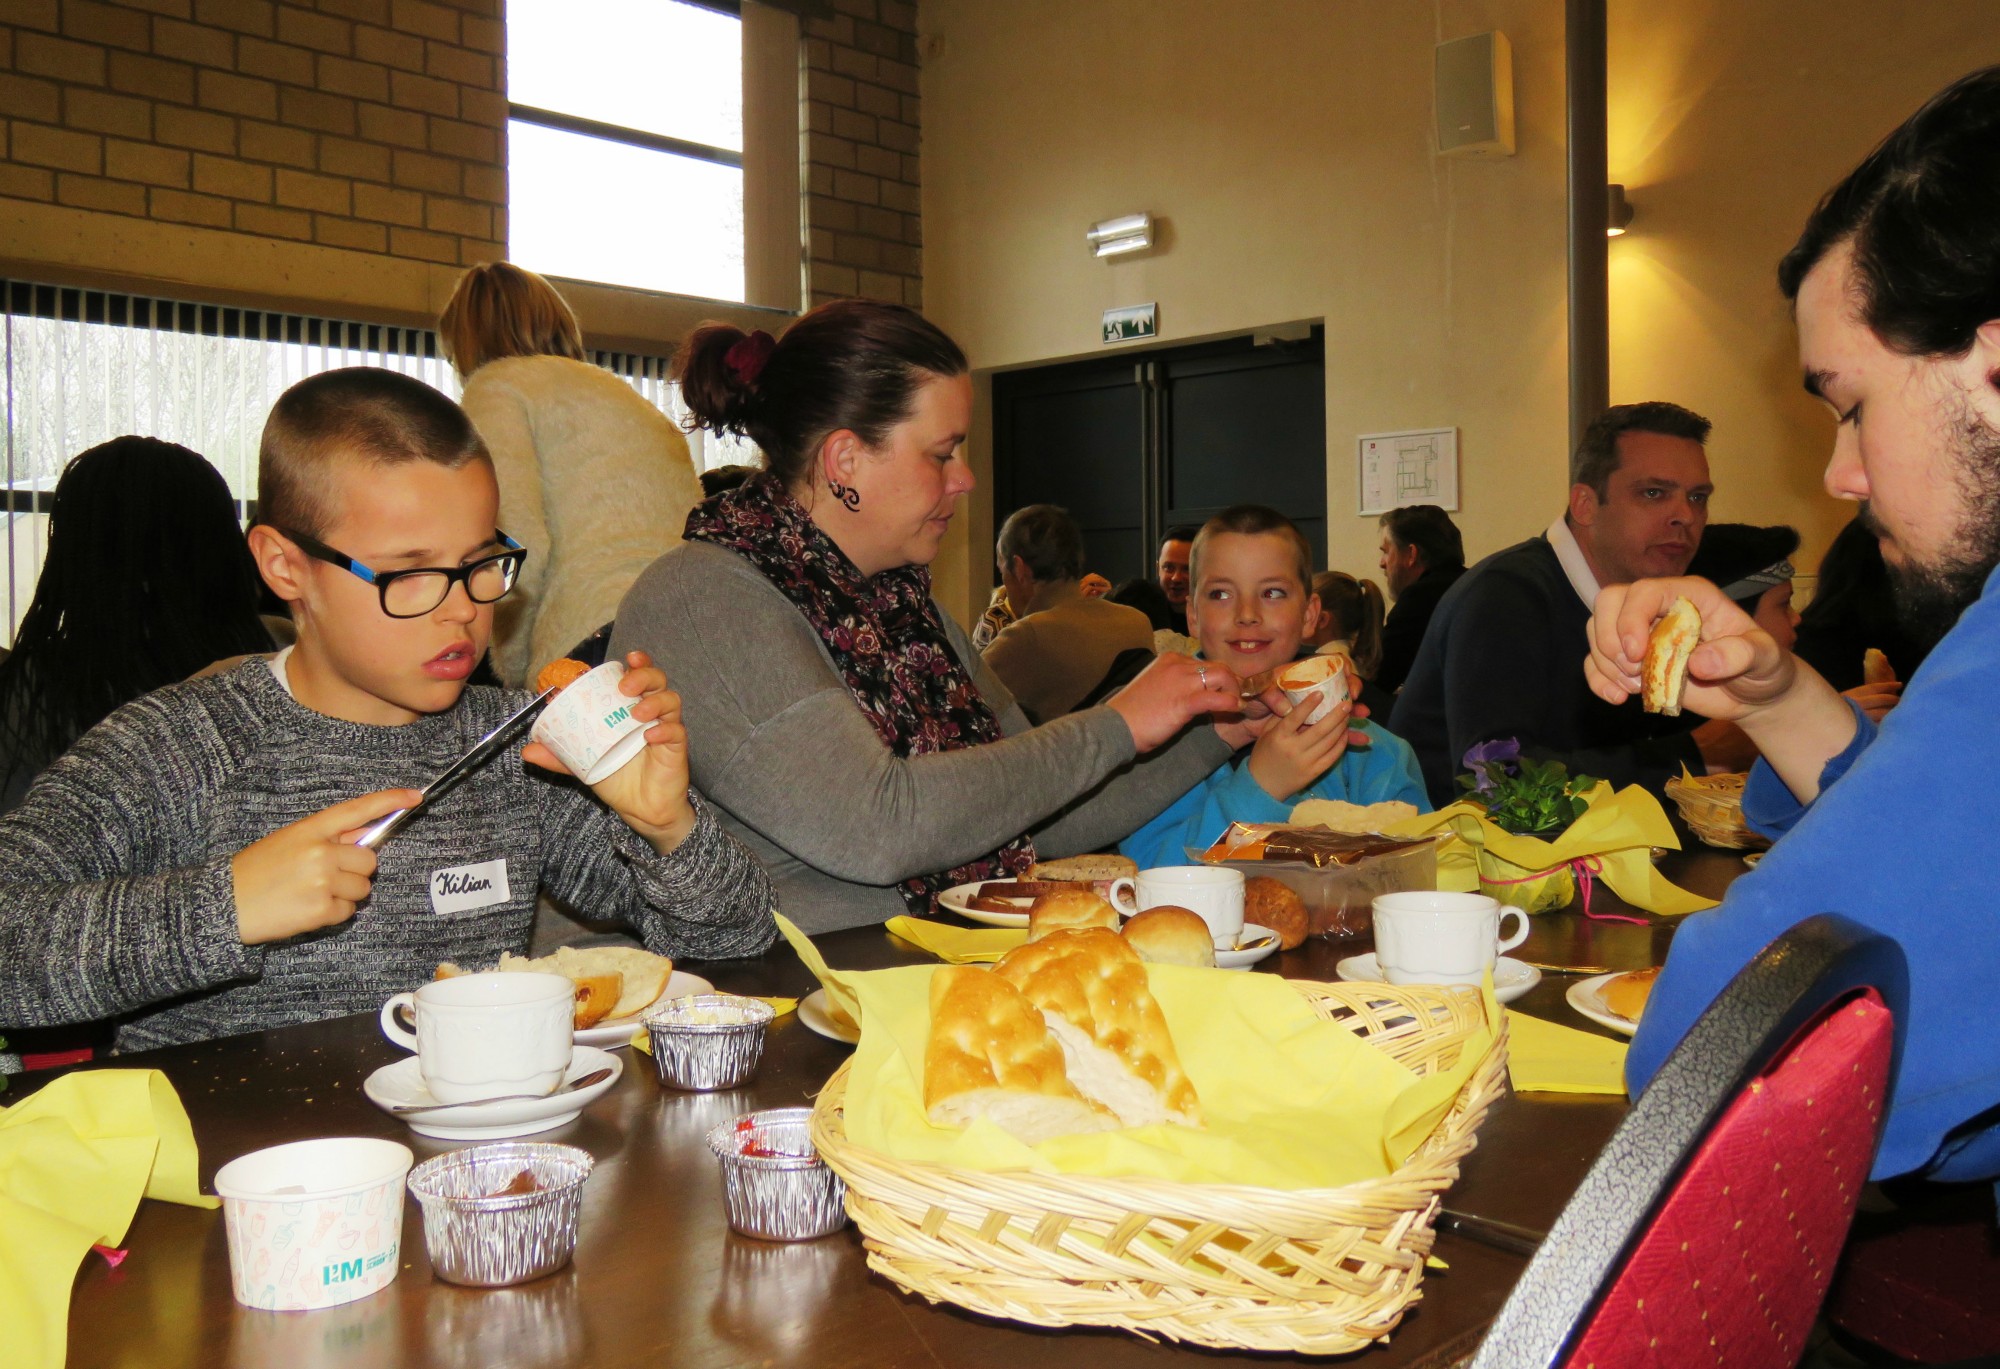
column 1626, row 995
column 1067, row 910
column 1875, row 667
column 1272, row 903
column 596, row 997
column 1093, row 994
column 990, row 1054
column 1171, row 935
column 1664, row 674
column 1338, row 815
column 643, row 975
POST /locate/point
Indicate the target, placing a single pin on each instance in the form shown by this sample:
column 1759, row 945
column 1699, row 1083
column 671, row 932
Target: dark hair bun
column 710, row 386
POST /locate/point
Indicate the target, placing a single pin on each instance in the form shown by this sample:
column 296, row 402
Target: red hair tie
column 746, row 357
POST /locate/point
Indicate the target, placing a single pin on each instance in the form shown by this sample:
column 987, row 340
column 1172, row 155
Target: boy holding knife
column 190, row 866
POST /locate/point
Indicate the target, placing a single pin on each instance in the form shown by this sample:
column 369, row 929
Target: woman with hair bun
column 594, row 480
column 843, row 724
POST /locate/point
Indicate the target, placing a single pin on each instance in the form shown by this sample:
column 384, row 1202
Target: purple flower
column 1492, row 761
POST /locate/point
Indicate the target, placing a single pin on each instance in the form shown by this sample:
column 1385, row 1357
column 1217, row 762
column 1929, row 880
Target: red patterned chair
column 1707, row 1231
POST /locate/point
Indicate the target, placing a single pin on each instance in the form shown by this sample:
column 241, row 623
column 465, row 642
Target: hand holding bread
column 1731, row 667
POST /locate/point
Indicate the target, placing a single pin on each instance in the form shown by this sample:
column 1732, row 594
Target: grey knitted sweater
column 116, row 898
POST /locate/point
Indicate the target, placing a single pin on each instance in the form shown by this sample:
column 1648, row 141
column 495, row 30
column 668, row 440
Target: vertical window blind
column 80, row 367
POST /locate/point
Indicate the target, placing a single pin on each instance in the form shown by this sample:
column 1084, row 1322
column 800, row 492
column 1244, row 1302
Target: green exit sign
column 1131, row 323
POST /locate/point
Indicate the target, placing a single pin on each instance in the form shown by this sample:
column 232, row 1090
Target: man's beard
column 1930, row 597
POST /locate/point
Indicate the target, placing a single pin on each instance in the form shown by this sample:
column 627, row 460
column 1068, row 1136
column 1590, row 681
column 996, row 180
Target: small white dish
column 1257, row 943
column 402, row 1085
column 817, row 1015
column 1511, row 977
column 958, row 899
column 620, row 1031
column 1584, row 997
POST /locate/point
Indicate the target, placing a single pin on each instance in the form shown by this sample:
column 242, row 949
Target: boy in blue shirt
column 1252, row 607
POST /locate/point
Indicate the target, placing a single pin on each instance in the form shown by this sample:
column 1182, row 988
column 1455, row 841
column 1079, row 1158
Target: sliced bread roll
column 990, row 1055
column 1092, row 991
column 1099, row 870
column 643, row 975
column 1663, row 674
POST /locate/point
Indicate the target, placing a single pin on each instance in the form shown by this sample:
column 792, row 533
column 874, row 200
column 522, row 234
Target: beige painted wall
column 1287, row 147
column 1727, row 123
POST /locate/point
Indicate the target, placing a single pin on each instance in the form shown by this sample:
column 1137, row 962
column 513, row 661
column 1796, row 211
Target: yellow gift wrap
column 1289, row 1100
column 75, row 1159
column 1614, row 840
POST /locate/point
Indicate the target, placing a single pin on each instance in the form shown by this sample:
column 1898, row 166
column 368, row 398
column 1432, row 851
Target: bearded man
column 1895, row 284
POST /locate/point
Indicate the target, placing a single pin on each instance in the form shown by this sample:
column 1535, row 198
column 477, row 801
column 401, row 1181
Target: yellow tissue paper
column 1619, row 832
column 1547, row 1057
column 958, row 945
column 1289, row 1100
column 75, row 1159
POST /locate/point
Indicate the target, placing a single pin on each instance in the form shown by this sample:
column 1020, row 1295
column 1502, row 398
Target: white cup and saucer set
column 1434, row 937
column 482, row 1041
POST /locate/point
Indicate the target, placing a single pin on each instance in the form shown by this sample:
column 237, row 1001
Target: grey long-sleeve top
column 117, row 898
column 800, row 777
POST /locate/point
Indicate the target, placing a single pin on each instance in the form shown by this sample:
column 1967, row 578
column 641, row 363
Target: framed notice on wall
column 1419, row 467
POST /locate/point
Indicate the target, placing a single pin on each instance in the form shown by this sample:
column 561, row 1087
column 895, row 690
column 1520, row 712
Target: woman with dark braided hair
column 841, row 723
column 146, row 581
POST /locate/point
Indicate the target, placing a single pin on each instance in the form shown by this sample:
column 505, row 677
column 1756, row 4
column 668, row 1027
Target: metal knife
column 482, row 751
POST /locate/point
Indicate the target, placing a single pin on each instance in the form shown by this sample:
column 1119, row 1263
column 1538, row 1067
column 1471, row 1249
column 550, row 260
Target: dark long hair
column 147, row 580
column 851, row 363
column 1921, row 212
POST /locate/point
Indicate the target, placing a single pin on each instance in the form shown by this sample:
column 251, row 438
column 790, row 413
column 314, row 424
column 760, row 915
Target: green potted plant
column 1528, row 798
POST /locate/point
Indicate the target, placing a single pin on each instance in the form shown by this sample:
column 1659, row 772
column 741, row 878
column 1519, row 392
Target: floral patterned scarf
column 885, row 635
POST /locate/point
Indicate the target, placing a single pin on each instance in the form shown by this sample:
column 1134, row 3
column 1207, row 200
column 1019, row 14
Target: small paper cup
column 314, row 1223
column 590, row 725
column 1322, row 679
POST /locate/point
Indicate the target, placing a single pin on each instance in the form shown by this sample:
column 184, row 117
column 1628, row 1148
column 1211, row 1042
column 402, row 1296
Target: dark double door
column 1135, row 444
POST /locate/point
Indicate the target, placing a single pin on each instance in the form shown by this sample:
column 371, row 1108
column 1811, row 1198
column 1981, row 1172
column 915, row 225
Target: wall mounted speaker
column 1475, row 96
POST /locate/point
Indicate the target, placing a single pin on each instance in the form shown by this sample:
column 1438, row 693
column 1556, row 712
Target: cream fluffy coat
column 594, row 481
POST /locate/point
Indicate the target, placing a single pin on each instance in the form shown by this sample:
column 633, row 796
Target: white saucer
column 1243, row 960
column 403, row 1083
column 1511, row 977
column 620, row 1031
column 958, row 899
column 1583, row 996
column 815, row 1014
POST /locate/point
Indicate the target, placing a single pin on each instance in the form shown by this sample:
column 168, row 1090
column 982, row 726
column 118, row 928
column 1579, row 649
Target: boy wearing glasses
column 189, row 866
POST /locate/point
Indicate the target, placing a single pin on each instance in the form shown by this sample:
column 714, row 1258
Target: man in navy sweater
column 1896, row 287
column 1503, row 654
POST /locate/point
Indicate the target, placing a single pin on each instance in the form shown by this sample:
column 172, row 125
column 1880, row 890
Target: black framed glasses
column 415, row 592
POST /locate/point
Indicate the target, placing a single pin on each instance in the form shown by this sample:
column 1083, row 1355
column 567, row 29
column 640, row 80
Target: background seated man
column 1422, row 557
column 1896, row 285
column 1062, row 641
column 1503, row 655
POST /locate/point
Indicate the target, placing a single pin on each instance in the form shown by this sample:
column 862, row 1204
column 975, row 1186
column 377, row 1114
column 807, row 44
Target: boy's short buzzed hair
column 363, row 413
column 1253, row 520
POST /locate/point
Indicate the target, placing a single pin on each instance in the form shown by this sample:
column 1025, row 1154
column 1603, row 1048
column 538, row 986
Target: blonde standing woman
column 595, row 481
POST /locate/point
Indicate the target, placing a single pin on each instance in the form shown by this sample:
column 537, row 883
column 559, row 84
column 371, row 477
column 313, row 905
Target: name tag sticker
column 463, row 888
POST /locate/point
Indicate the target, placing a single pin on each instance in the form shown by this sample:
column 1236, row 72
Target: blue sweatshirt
column 1902, row 839
column 1387, row 769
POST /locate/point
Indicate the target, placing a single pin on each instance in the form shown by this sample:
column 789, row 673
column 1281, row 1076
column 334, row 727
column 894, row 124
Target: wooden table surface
column 659, row 1280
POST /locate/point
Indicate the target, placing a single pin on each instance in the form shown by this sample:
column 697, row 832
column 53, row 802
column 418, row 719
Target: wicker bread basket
column 1314, row 1271
column 1712, row 807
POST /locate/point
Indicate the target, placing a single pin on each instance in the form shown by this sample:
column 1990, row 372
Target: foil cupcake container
column 774, row 1184
column 483, row 1237
column 708, row 1041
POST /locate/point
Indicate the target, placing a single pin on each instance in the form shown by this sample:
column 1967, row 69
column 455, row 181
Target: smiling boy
column 189, row 865
column 1251, row 606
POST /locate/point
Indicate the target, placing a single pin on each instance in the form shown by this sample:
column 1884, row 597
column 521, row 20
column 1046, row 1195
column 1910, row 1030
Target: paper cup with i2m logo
column 313, row 1223
column 590, row 725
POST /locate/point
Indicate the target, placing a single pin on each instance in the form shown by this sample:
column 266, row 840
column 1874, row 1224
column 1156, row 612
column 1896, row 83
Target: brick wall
column 859, row 122
column 377, row 125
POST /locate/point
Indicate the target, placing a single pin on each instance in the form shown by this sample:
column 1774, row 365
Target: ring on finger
column 1201, row 673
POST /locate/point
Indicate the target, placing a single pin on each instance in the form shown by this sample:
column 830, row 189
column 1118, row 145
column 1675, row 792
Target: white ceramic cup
column 590, row 725
column 1440, row 938
column 313, row 1223
column 1321, row 695
column 488, row 1035
column 1213, row 894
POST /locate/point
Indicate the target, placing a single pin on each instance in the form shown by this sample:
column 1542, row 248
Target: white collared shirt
column 1581, row 578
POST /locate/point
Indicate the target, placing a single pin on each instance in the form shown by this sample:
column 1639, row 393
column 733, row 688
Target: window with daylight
column 625, row 142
